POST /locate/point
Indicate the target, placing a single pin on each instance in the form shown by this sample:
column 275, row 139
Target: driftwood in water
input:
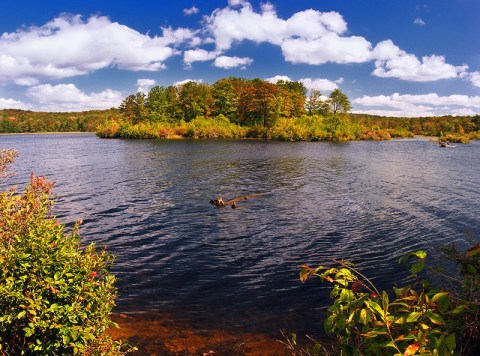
column 233, row 202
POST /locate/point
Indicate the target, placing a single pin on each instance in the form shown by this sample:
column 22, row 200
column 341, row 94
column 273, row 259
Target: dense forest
column 240, row 108
column 21, row 121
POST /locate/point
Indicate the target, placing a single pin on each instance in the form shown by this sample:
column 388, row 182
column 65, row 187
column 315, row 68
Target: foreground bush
column 56, row 295
column 414, row 319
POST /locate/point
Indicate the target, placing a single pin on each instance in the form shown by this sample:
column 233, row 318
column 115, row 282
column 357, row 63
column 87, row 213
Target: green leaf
column 417, row 266
column 21, row 314
column 435, row 318
column 413, row 316
column 329, row 323
column 471, row 269
column 459, row 309
column 363, row 316
column 385, row 300
column 438, row 296
column 374, row 307
column 449, row 342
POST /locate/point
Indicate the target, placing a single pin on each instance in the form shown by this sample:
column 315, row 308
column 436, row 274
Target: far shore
column 47, row 133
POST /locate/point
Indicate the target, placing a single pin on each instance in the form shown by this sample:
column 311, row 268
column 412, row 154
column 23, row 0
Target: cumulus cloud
column 277, row 78
column 419, row 21
column 308, row 36
column 181, row 82
column 12, row 104
column 232, row 62
column 319, row 84
column 417, row 105
column 69, row 46
column 474, row 78
column 315, row 37
column 309, row 83
column 67, row 97
column 144, row 85
column 191, row 11
column 393, row 62
column 198, row 55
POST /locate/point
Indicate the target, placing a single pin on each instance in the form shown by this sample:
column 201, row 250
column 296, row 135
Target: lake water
column 148, row 202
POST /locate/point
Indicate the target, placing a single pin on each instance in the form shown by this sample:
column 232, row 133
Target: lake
column 148, row 202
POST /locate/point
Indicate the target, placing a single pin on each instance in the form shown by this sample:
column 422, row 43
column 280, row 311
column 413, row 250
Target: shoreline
column 163, row 335
column 48, row 133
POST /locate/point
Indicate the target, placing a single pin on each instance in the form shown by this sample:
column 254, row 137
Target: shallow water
column 148, row 202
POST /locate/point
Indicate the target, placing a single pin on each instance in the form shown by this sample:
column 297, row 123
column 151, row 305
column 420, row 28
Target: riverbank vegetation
column 415, row 319
column 240, row 108
column 56, row 294
column 254, row 108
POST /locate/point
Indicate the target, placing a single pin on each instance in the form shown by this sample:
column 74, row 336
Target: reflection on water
column 148, row 201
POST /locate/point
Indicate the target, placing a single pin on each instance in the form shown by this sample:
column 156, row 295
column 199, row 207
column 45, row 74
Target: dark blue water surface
column 148, row 202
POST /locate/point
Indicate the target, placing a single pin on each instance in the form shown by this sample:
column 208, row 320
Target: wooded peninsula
column 239, row 108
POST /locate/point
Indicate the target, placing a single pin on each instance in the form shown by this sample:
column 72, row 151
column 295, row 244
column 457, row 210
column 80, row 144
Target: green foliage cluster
column 415, row 319
column 21, row 121
column 450, row 128
column 56, row 295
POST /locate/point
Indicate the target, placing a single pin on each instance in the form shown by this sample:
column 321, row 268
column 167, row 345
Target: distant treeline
column 22, row 121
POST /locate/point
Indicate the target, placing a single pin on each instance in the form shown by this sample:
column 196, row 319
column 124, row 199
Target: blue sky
column 391, row 57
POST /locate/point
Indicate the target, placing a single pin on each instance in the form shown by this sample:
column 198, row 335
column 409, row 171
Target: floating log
column 219, row 202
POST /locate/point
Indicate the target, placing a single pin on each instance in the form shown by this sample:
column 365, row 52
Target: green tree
column 316, row 105
column 157, row 103
column 194, row 99
column 225, row 98
column 133, row 108
column 339, row 102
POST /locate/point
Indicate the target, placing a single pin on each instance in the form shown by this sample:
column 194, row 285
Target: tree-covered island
column 240, row 108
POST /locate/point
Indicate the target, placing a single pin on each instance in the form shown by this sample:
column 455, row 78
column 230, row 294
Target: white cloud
column 417, row 105
column 198, row 55
column 277, row 78
column 181, row 82
column 474, row 78
column 69, row 46
column 419, row 21
column 308, row 36
column 191, row 11
column 179, row 36
column 319, row 84
column 328, row 48
column 309, row 83
column 393, row 62
column 232, row 62
column 12, row 104
column 144, row 85
column 67, row 97
column 315, row 38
